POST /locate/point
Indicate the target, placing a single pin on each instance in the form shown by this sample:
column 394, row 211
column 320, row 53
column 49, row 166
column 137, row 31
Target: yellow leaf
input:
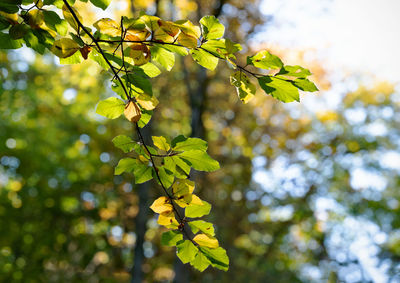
column 132, row 112
column 108, row 26
column 168, row 220
column 161, row 205
column 146, row 101
column 12, row 18
column 64, row 47
column 206, row 241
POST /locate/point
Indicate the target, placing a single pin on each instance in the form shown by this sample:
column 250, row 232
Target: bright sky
column 359, row 35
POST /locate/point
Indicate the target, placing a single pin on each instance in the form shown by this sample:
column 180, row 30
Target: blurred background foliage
column 302, row 196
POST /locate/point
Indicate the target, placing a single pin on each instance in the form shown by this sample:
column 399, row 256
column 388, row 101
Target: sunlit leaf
column 200, row 160
column 201, row 262
column 186, row 251
column 212, row 28
column 265, row 60
column 108, row 26
column 217, row 257
column 280, row 89
column 163, row 56
column 170, row 238
column 161, row 143
column 195, row 210
column 123, row 142
column 103, row 4
column 203, row 226
column 245, row 89
column 204, row 58
column 64, row 47
column 132, row 112
column 54, row 22
column 305, row 85
column 161, row 205
column 206, row 241
column 182, row 143
column 111, row 107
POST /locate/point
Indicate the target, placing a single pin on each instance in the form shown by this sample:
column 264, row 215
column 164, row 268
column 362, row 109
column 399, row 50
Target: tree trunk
column 141, row 220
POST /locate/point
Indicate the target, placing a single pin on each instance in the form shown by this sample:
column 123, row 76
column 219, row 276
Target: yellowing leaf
column 168, row 220
column 137, row 34
column 189, row 34
column 206, row 241
column 70, row 18
column 166, row 32
column 64, row 47
column 182, row 187
column 161, row 205
column 146, row 101
column 188, row 200
column 35, row 18
column 161, row 143
column 140, row 53
column 245, row 89
column 132, row 112
column 108, row 26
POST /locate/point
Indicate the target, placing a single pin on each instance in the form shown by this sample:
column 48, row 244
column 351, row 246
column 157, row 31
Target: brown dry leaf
column 85, row 50
column 132, row 112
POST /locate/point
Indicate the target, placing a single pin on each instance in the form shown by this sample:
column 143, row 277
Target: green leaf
column 305, row 85
column 139, row 83
column 166, row 176
column 182, row 143
column 10, row 7
column 163, row 56
column 203, row 226
column 125, row 143
column 161, row 143
column 176, row 49
column 199, row 160
column 212, row 28
column 245, row 89
column 177, row 166
column 18, row 31
column 201, row 262
column 195, row 210
column 7, row 43
column 217, row 47
column 150, row 69
column 76, row 58
column 204, row 58
column 146, row 117
column 265, row 60
column 280, row 89
column 103, row 4
column 294, row 71
column 142, row 173
column 34, row 42
column 54, row 22
column 98, row 58
column 217, row 257
column 186, row 251
column 125, row 165
column 111, row 107
column 170, row 238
